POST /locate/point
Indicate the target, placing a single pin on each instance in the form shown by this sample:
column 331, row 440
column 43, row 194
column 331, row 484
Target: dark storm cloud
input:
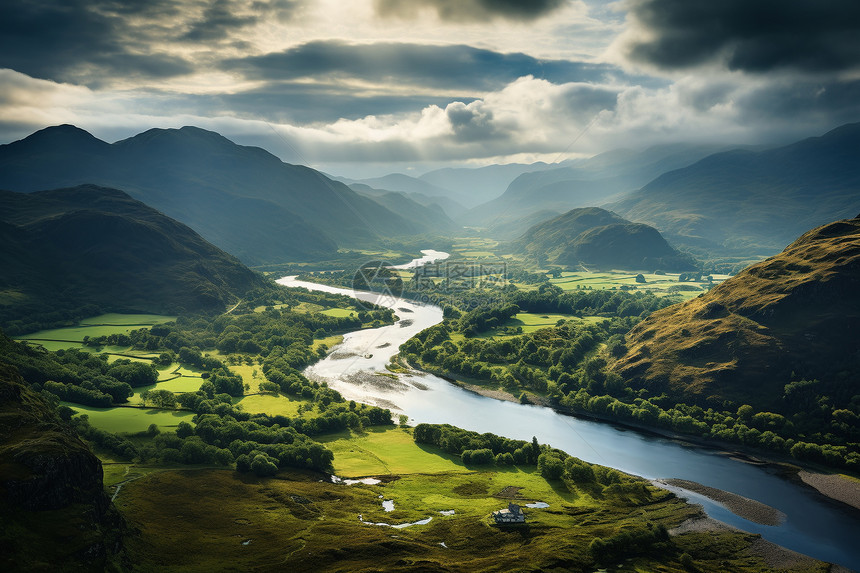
column 798, row 101
column 413, row 64
column 90, row 41
column 295, row 104
column 469, row 10
column 219, row 20
column 67, row 39
column 748, row 35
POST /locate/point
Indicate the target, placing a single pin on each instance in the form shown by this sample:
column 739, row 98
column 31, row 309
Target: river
column 813, row 525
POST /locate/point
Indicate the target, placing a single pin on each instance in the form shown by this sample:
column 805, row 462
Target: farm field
column 131, row 420
column 268, row 404
column 102, row 325
column 529, row 322
column 657, row 284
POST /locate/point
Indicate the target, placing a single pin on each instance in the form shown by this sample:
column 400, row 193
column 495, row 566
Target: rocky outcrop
column 52, row 499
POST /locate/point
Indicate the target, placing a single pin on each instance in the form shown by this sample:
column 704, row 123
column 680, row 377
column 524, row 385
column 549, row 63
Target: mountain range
column 755, row 201
column 242, row 199
column 554, row 189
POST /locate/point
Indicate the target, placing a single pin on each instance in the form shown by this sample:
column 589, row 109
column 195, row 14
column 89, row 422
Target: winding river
column 813, row 525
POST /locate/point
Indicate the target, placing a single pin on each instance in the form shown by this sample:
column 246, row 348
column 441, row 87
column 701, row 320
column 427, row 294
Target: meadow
column 93, row 327
column 302, row 522
column 130, row 420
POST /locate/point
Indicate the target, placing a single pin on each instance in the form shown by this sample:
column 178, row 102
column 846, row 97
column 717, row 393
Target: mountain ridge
column 243, row 199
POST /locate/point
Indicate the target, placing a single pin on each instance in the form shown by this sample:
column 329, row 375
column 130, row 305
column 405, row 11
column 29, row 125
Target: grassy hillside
column 597, row 237
column 754, row 201
column 242, row 199
column 789, row 318
column 69, row 248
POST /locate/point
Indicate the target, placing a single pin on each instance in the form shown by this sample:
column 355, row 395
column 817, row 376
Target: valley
column 495, row 345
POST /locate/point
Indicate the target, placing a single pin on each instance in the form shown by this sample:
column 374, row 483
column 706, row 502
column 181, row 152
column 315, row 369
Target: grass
column 300, row 522
column 131, row 420
column 529, row 322
column 384, row 451
column 657, row 284
column 338, row 312
column 102, row 325
column 268, row 404
column 329, row 341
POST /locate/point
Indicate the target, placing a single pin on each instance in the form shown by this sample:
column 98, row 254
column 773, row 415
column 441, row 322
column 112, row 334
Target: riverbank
column 741, row 506
column 835, row 486
column 775, row 556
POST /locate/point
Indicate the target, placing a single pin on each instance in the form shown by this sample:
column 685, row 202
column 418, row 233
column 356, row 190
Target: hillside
column 792, row 317
column 754, row 201
column 88, row 245
column 600, row 238
column 54, row 506
column 242, row 199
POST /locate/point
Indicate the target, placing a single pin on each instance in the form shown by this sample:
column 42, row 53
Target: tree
column 550, row 466
column 162, row 398
column 640, row 278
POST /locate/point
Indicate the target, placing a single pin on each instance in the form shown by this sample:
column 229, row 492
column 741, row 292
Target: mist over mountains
column 242, row 199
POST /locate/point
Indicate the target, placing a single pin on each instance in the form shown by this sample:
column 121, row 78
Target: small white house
column 511, row 514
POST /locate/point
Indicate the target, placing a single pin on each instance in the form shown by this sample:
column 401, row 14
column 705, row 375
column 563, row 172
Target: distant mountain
column 403, row 184
column 88, row 245
column 425, row 217
column 754, row 201
column 435, row 204
column 474, row 186
column 794, row 316
column 242, row 199
column 582, row 183
column 595, row 237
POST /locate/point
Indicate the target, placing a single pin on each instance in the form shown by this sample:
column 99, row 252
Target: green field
column 268, row 404
column 658, row 284
column 131, row 420
column 102, row 325
column 529, row 322
column 342, row 312
column 384, row 451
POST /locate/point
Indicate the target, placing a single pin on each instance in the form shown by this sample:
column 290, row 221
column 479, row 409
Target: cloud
column 760, row 36
column 97, row 42
column 403, row 64
column 469, row 10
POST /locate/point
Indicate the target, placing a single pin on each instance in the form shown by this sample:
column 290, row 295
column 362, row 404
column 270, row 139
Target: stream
column 813, row 525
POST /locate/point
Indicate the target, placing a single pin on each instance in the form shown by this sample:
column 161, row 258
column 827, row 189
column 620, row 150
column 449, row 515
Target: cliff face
column 55, row 510
column 797, row 312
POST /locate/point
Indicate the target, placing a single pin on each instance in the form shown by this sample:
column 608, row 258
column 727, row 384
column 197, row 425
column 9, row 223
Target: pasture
column 129, row 420
column 93, row 327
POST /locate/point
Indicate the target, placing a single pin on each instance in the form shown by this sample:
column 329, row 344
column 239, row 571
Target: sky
column 366, row 87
